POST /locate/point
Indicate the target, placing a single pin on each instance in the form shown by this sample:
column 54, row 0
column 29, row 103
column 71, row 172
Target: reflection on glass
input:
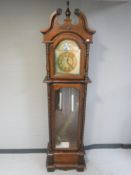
column 66, row 113
column 72, row 102
column 60, row 100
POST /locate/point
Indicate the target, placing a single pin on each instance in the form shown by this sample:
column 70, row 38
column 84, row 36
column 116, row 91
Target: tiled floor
column 100, row 162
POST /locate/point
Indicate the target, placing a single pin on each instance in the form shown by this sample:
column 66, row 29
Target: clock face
column 67, row 58
column 67, row 61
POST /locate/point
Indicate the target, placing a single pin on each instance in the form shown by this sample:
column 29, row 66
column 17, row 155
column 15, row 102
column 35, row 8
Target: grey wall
column 23, row 96
column 109, row 95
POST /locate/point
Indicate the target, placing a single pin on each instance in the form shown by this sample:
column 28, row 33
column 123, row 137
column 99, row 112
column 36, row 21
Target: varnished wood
column 85, row 81
column 58, row 86
column 56, row 28
column 71, row 158
column 65, row 160
column 79, row 32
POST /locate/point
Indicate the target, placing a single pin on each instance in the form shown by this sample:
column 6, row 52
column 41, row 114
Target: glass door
column 66, row 116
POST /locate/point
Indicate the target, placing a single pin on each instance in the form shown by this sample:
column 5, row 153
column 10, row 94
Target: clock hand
column 68, row 62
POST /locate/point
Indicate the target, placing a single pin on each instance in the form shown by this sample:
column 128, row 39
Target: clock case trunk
column 71, row 157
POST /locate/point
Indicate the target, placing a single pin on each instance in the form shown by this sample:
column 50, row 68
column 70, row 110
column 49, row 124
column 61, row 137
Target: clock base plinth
column 65, row 161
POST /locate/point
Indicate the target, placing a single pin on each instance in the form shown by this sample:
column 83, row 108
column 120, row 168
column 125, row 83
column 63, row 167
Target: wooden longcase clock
column 67, row 54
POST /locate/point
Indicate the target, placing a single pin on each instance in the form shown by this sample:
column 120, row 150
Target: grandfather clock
column 67, row 54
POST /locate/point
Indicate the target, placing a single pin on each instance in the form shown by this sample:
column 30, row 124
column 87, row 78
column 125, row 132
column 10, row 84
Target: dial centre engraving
column 67, row 61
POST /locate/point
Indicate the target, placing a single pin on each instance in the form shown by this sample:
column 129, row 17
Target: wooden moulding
column 85, row 81
column 65, row 160
column 55, row 28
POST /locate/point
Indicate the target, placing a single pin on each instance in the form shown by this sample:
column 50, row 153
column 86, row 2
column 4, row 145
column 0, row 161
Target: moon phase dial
column 67, row 61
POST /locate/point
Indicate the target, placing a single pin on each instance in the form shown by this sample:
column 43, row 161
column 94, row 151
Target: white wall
column 23, row 96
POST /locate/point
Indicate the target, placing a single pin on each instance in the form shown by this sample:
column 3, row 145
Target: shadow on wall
column 92, row 96
column 94, row 7
column 97, row 58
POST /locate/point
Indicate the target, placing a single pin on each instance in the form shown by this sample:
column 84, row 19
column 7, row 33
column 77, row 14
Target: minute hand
column 68, row 62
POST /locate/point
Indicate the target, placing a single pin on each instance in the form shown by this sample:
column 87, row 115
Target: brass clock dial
column 67, row 58
column 67, row 61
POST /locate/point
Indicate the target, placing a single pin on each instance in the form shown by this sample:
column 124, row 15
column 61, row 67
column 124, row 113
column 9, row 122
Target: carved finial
column 59, row 11
column 77, row 12
column 68, row 12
